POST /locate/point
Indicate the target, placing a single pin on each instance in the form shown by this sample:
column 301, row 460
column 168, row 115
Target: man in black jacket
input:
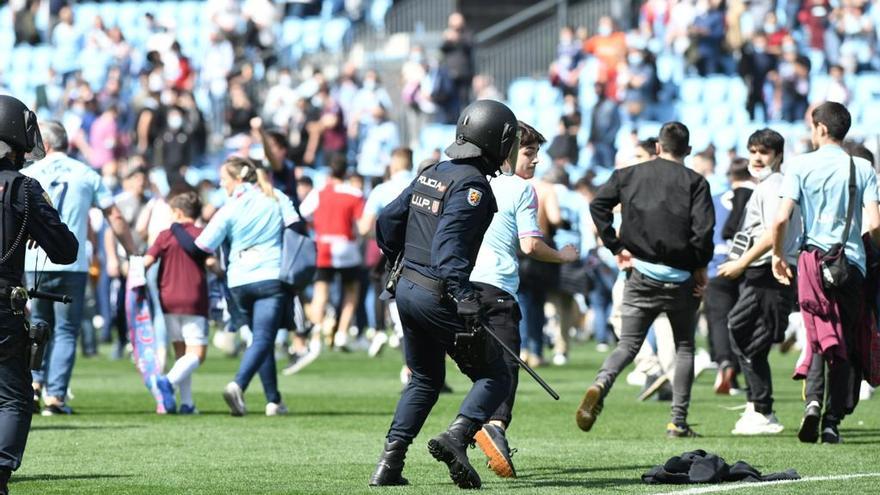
column 665, row 243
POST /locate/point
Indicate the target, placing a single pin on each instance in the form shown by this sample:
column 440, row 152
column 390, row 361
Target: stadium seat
column 715, row 90
column 546, row 95
column 649, row 129
column 311, row 35
column 692, row 114
column 818, row 87
column 665, row 67
column 737, row 92
column 546, row 120
column 718, row 115
column 435, row 136
column 377, row 12
column 291, row 30
column 725, row 138
column 870, row 115
column 335, row 33
column 701, row 137
column 521, row 92
column 691, row 90
column 623, row 136
column 866, row 88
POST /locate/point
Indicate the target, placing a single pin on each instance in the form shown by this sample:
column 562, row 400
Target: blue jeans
column 261, row 304
column 65, row 320
column 531, row 327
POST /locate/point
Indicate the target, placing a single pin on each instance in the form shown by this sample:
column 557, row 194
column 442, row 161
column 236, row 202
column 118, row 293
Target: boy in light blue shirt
column 496, row 276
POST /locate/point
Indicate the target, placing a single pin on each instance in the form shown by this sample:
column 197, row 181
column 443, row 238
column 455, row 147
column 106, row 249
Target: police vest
column 426, row 205
column 10, row 227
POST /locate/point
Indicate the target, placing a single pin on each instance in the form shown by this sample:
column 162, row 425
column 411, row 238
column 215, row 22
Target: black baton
column 38, row 294
column 522, row 364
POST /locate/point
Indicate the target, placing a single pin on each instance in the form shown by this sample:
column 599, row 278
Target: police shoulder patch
column 474, row 196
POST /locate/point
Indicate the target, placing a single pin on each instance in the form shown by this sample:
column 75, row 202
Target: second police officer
column 437, row 225
column 25, row 214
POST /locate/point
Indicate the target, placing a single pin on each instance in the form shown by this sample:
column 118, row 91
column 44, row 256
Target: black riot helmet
column 487, row 129
column 19, row 131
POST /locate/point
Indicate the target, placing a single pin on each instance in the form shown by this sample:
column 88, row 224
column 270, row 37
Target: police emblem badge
column 474, row 197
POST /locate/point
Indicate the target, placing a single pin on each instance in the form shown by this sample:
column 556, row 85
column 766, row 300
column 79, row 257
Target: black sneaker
column 590, row 408
column 831, row 435
column 680, row 431
column 809, row 430
column 493, row 443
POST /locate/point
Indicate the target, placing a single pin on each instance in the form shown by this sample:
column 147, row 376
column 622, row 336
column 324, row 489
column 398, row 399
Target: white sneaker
column 602, row 347
column 636, row 378
column 559, row 359
column 276, row 409
column 866, row 391
column 234, row 398
column 702, row 362
column 755, row 423
column 379, row 341
column 309, row 358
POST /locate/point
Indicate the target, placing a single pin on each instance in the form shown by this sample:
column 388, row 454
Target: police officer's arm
column 459, row 231
column 602, row 211
column 45, row 226
column 391, row 225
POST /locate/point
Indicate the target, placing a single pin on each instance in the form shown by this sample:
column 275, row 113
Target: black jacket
column 668, row 216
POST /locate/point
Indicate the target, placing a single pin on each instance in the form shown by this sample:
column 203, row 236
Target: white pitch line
column 741, row 486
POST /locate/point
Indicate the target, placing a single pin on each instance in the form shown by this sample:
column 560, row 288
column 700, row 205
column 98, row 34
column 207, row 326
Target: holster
column 473, row 350
column 39, row 335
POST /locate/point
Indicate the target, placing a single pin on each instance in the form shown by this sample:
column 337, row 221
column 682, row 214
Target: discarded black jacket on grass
column 702, row 467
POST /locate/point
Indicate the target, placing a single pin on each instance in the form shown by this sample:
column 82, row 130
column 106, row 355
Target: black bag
column 835, row 269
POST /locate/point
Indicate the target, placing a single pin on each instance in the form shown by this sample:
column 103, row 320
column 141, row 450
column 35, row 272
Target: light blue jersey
column 517, row 218
column 660, row 272
column 819, row 183
column 386, row 192
column 253, row 223
column 74, row 188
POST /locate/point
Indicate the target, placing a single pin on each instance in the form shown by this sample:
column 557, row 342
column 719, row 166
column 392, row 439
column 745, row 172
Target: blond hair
column 248, row 171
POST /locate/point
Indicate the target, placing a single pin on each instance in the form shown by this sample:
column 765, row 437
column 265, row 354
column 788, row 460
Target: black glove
column 470, row 310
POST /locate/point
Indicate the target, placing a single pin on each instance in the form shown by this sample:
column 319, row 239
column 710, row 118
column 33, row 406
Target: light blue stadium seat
column 291, row 30
column 739, row 115
column 546, row 95
column 435, row 136
column 867, row 87
column 649, row 129
column 718, row 115
column 737, row 92
column 691, row 90
column 692, row 114
column 546, row 120
column 701, row 137
column 622, row 135
column 311, row 35
column 521, row 92
column 524, row 113
column 715, row 90
column 818, row 87
column 870, row 115
column 335, row 32
column 377, row 12
column 725, row 137
column 665, row 67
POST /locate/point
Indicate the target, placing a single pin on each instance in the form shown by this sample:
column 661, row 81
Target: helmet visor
column 508, row 168
column 39, row 151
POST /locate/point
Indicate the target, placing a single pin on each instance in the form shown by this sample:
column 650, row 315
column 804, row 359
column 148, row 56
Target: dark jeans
column 429, row 327
column 756, row 322
column 261, row 304
column 842, row 380
column 65, row 320
column 531, row 327
column 721, row 296
column 16, row 394
column 503, row 314
column 643, row 300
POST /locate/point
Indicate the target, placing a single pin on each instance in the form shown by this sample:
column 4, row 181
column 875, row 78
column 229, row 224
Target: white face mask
column 760, row 174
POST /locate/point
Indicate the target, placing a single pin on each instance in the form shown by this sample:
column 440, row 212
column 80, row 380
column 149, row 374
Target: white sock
column 185, row 388
column 182, row 369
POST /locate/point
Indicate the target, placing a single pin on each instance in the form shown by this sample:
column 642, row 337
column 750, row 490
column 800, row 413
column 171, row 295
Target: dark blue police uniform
column 438, row 223
column 45, row 227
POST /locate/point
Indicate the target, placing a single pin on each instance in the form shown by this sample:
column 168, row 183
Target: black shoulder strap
column 850, row 209
column 188, row 243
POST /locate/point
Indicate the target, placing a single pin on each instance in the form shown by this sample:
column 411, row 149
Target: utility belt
column 39, row 334
column 438, row 287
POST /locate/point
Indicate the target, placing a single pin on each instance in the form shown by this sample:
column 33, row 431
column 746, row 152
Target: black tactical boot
column 390, row 465
column 451, row 446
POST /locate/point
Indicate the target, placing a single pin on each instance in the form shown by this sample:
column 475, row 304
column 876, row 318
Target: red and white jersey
column 333, row 212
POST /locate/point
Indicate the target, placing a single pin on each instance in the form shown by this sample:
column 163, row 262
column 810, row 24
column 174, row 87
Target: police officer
column 437, row 225
column 24, row 212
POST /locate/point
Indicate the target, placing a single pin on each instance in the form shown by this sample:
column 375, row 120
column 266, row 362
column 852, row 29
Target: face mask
column 760, row 174
column 604, row 31
column 369, row 84
column 175, row 121
column 760, row 48
column 634, row 58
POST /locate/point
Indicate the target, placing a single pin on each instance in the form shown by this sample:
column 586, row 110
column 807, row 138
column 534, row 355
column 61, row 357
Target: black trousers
column 758, row 320
column 504, row 315
column 16, row 394
column 721, row 296
column 842, row 379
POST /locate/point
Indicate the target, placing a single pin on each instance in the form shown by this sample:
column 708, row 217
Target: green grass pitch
column 341, row 407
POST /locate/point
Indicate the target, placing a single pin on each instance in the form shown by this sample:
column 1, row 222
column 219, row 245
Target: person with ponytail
column 252, row 221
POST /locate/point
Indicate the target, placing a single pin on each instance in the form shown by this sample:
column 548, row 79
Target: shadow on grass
column 543, row 471
column 580, row 483
column 66, row 477
column 81, row 427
